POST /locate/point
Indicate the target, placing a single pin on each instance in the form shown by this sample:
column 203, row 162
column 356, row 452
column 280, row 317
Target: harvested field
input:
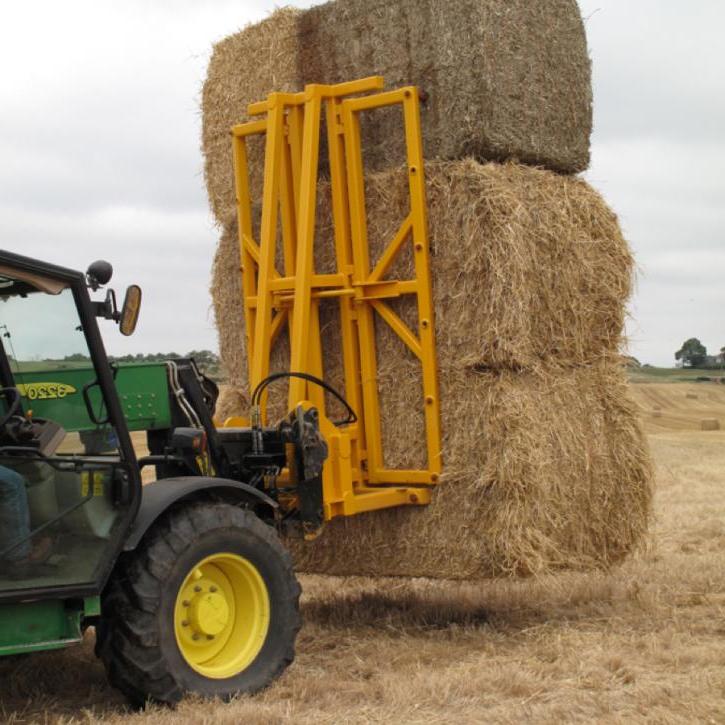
column 503, row 79
column 641, row 644
column 672, row 407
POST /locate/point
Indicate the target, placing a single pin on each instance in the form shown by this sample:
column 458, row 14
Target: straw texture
column 544, row 470
column 528, row 266
column 503, row 79
column 545, row 466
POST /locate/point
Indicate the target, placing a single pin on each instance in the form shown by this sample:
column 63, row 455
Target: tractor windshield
column 51, row 365
column 60, row 470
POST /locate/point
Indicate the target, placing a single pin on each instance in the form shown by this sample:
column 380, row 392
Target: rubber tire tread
column 128, row 636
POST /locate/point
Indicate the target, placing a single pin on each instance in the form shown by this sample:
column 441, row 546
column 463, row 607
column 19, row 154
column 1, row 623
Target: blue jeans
column 14, row 514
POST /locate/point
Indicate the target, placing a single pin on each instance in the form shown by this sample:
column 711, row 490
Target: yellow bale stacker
column 354, row 476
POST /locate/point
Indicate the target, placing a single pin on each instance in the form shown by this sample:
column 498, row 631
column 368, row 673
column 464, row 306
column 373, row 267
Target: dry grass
column 679, row 407
column 642, row 644
column 504, row 79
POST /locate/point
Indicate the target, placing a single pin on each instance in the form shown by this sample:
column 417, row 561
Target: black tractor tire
column 136, row 637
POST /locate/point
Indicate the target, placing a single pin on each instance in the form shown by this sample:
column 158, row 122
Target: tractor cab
column 82, row 543
column 68, row 475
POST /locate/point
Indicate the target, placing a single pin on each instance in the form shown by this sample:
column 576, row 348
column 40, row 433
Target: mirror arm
column 108, row 309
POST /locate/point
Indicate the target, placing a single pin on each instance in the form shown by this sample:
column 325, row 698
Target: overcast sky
column 99, row 153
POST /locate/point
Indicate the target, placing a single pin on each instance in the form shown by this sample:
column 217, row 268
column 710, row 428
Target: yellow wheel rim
column 221, row 616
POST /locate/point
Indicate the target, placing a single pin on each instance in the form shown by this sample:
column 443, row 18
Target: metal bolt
column 197, row 588
column 424, row 323
column 413, row 169
column 429, row 400
column 212, row 588
column 186, row 603
column 210, row 636
column 418, row 247
column 195, row 636
column 184, row 624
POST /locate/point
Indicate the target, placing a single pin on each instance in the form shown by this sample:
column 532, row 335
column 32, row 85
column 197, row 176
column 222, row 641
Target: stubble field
column 644, row 643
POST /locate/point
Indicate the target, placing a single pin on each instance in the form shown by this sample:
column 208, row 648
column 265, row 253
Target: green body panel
column 33, row 626
column 57, row 393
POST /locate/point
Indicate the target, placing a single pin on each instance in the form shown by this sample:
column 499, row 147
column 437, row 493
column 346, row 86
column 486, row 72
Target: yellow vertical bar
column 361, row 270
column 299, row 354
column 295, row 120
column 426, row 322
column 288, row 208
column 295, row 117
column 244, row 228
column 315, row 394
column 267, row 243
column 343, row 249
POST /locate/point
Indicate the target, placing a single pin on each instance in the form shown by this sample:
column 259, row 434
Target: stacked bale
column 528, row 266
column 545, row 470
column 545, row 466
column 503, row 79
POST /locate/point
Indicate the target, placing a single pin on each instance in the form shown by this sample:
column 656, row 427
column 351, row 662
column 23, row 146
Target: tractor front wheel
column 207, row 604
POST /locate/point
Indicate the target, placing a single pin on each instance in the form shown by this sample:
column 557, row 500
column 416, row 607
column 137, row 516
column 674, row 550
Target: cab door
column 69, row 484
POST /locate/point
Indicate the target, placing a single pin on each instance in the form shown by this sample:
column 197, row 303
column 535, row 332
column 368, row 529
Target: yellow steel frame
column 355, row 478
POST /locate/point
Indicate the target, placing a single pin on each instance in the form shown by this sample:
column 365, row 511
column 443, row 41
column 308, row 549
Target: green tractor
column 185, row 579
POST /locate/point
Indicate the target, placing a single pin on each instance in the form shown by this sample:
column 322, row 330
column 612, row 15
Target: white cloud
column 99, row 141
column 658, row 156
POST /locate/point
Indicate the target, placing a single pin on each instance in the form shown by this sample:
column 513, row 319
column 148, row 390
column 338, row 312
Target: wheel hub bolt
column 212, row 588
column 210, row 636
column 195, row 636
column 186, row 602
column 184, row 624
column 197, row 588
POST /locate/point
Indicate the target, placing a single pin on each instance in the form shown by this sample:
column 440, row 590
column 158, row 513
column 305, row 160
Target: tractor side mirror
column 130, row 310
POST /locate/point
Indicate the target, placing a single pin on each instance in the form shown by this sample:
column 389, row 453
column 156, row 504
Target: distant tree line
column 207, row 360
column 693, row 354
column 201, row 356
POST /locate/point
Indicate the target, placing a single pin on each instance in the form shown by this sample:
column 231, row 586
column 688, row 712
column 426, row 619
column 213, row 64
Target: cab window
column 60, row 468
